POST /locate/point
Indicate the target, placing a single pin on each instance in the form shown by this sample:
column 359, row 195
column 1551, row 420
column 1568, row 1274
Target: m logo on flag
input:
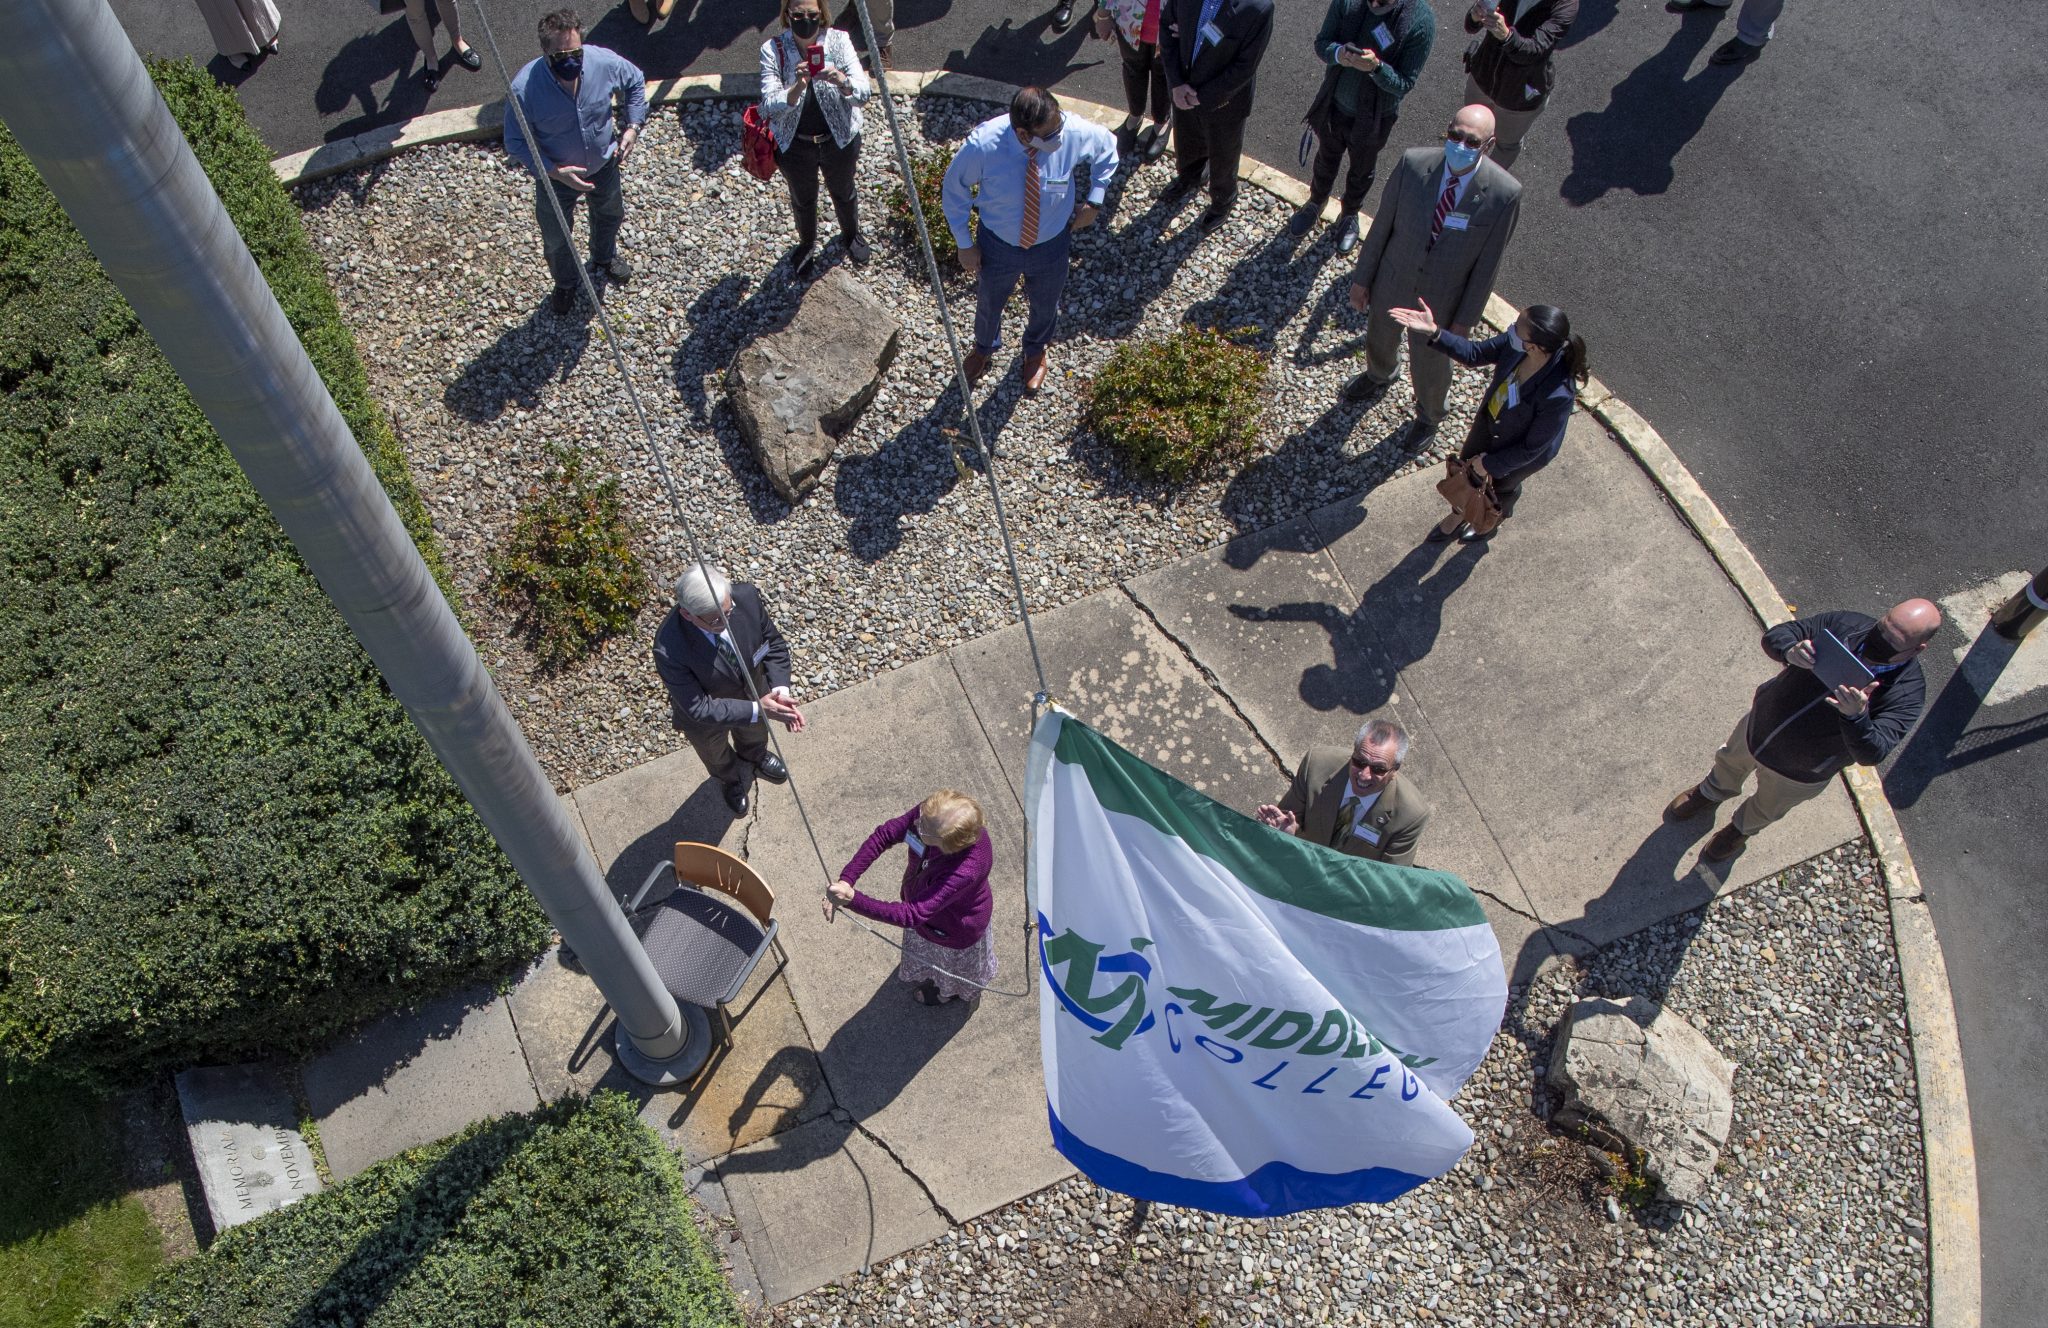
column 1287, row 1023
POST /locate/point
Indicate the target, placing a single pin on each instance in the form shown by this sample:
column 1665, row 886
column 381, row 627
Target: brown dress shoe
column 1036, row 367
column 1726, row 843
column 976, row 365
column 1688, row 805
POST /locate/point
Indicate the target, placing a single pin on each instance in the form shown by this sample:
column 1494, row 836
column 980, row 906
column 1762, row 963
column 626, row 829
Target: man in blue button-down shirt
column 567, row 95
column 1017, row 170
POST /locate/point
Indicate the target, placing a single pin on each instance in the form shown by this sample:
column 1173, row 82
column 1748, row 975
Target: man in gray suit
column 1442, row 225
column 1355, row 801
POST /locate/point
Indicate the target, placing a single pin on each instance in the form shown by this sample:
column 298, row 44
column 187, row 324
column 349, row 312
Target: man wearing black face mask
column 1799, row 733
column 568, row 96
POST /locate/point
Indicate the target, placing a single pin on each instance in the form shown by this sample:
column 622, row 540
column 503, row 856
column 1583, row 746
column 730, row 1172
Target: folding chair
column 708, row 930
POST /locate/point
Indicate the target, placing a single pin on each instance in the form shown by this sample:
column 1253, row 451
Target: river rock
column 1652, row 1079
column 796, row 391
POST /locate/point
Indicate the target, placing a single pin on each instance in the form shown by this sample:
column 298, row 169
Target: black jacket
column 1794, row 731
column 705, row 692
column 1224, row 74
column 1516, row 73
column 1526, row 436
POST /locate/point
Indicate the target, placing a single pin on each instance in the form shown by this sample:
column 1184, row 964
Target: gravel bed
column 435, row 257
column 1818, row 1215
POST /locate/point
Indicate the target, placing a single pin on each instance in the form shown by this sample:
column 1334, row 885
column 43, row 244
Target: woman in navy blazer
column 1538, row 366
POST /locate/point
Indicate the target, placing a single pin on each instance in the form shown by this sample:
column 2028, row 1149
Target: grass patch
column 574, row 1216
column 70, row 1241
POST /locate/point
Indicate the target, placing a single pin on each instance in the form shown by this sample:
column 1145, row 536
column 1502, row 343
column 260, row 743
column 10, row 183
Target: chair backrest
column 713, row 868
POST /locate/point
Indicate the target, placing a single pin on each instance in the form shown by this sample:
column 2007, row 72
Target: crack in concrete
column 883, row 1144
column 1207, row 675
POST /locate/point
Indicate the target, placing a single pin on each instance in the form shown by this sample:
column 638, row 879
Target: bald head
column 1473, row 127
column 1910, row 625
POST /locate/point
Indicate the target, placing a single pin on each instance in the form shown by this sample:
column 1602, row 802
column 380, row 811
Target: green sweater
column 1410, row 27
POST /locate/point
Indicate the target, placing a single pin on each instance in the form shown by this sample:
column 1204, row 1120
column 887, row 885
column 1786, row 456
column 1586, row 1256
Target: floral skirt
column 972, row 968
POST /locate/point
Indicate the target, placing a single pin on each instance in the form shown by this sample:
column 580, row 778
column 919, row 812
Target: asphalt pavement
column 1791, row 268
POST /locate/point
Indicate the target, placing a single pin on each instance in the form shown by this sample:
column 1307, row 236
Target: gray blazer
column 1395, row 260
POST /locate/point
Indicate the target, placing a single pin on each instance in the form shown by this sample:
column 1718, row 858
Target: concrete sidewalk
column 1561, row 683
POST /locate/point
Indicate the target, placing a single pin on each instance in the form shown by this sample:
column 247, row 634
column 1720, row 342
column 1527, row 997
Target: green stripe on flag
column 1268, row 862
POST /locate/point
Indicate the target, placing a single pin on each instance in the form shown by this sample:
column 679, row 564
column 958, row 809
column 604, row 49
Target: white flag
column 1235, row 1019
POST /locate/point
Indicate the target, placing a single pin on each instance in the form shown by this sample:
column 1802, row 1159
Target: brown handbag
column 1475, row 504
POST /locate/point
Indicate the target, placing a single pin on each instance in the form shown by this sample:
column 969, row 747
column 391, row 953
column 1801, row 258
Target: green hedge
column 218, row 832
column 574, row 1215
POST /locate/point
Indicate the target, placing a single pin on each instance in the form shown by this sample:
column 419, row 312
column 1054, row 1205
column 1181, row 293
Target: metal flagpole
column 78, row 100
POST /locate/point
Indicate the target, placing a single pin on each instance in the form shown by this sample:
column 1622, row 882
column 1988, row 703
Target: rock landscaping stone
column 796, row 391
column 1636, row 1069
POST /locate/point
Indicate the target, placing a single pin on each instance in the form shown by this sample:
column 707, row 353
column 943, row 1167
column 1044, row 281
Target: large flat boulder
column 1649, row 1077
column 796, row 391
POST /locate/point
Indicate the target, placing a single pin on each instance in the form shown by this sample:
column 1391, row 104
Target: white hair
column 701, row 590
column 1384, row 730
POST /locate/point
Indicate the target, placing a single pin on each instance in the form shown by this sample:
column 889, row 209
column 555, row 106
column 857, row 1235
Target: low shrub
column 219, row 833
column 928, row 173
column 573, row 1215
column 567, row 569
column 1176, row 406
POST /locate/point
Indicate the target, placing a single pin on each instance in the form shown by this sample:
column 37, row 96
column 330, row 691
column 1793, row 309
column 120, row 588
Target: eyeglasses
column 1465, row 136
column 1377, row 767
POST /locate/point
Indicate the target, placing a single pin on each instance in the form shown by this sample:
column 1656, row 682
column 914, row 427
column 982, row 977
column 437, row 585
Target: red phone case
column 814, row 60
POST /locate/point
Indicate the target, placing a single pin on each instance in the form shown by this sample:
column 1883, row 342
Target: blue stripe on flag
column 1274, row 1190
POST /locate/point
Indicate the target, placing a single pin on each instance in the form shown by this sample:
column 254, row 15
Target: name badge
column 1456, row 221
column 1056, row 188
column 912, row 842
column 1212, row 34
column 1367, row 833
column 1382, row 37
column 762, row 653
column 1514, row 395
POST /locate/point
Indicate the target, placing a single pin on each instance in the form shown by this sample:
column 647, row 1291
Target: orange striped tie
column 1029, row 235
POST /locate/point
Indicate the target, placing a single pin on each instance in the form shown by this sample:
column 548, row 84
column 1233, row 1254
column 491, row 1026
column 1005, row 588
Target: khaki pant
column 1509, row 127
column 1775, row 795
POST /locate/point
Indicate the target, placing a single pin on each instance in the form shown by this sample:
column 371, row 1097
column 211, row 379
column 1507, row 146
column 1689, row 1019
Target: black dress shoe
column 1181, row 187
column 1419, row 432
column 469, row 59
column 772, row 769
column 1365, row 388
column 858, row 249
column 1152, row 143
column 1212, row 217
column 1734, row 51
column 1438, row 535
column 803, row 260
column 1063, row 17
column 1126, row 140
column 735, row 798
column 563, row 300
column 1467, row 535
column 618, row 271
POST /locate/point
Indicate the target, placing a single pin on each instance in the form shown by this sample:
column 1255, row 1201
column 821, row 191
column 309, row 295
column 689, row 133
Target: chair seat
column 702, row 945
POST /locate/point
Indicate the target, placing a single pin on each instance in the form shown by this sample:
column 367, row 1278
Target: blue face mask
column 568, row 66
column 1459, row 157
column 1515, row 338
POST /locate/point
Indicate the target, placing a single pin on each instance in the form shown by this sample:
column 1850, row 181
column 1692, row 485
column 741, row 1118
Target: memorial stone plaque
column 245, row 1139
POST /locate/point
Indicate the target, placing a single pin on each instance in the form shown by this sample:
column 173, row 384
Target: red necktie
column 1443, row 209
column 1028, row 236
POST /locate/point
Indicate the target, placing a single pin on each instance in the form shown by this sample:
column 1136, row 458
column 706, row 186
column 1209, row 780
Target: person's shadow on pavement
column 1651, row 115
column 514, row 369
column 1023, row 53
column 1945, row 741
column 868, row 1062
column 1395, row 624
column 362, row 64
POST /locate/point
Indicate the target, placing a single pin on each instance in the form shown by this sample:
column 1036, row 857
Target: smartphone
column 814, row 60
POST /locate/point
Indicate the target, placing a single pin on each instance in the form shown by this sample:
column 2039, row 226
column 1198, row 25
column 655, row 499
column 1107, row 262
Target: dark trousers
column 1217, row 141
column 801, row 163
column 730, row 755
column 1363, row 136
column 1043, row 270
column 607, row 214
column 1144, row 76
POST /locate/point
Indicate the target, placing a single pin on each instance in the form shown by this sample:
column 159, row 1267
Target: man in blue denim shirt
column 1023, row 164
column 567, row 95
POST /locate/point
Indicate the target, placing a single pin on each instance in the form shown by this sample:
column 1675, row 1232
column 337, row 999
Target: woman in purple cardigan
column 948, row 952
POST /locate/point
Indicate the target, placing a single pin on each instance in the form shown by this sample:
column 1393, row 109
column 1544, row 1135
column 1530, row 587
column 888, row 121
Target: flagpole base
column 669, row 1071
